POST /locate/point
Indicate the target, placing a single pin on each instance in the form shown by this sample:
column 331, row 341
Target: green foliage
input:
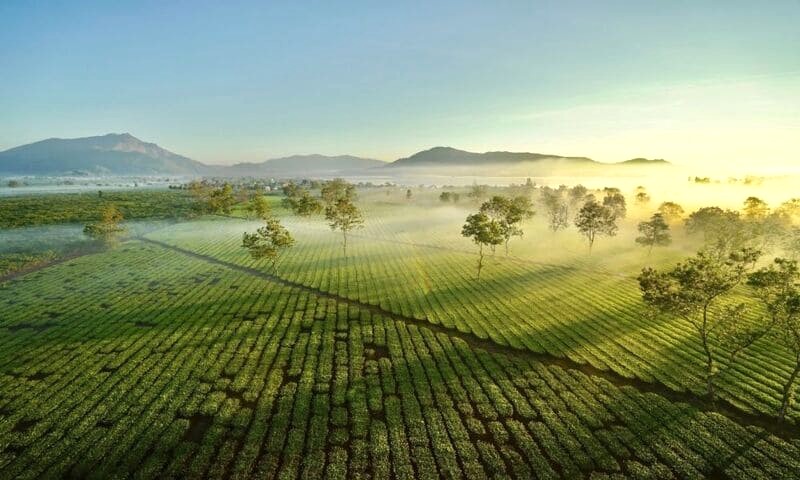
column 108, row 229
column 594, row 220
column 615, row 201
column 483, row 230
column 343, row 215
column 268, row 242
column 671, row 211
column 777, row 286
column 300, row 201
column 447, row 197
column 695, row 291
column 31, row 210
column 654, row 232
column 556, row 208
column 259, row 207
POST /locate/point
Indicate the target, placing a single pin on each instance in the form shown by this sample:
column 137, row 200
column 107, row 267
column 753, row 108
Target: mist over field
column 399, row 240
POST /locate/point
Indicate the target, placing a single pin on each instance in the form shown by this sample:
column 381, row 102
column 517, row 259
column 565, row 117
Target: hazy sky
column 706, row 83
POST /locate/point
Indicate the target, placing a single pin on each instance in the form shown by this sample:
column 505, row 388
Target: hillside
column 111, row 154
column 303, row 164
column 442, row 156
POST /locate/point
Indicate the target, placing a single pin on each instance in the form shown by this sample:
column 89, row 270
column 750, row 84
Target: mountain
column 644, row 161
column 112, row 154
column 304, row 165
column 444, row 156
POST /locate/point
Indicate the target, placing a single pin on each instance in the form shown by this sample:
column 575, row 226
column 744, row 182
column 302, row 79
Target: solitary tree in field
column 654, row 232
column 556, row 209
column 484, row 232
column 343, row 215
column 671, row 211
column 595, row 220
column 508, row 213
column 697, row 291
column 108, row 229
column 259, row 207
column 337, row 189
column 268, row 242
column 409, row 194
column 777, row 286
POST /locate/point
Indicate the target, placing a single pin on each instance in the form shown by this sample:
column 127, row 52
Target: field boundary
column 768, row 423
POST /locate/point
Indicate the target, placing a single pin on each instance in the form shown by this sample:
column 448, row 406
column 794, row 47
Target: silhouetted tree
column 595, row 220
column 654, row 232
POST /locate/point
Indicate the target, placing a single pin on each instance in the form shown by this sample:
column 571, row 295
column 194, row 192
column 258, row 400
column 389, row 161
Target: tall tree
column 484, row 231
column 108, row 229
column 221, row 199
column 654, row 232
column 698, row 290
column 259, row 207
column 616, row 202
column 337, row 189
column 595, row 220
column 777, row 286
column 269, row 241
column 555, row 208
column 671, row 211
column 508, row 213
column 300, row 201
column 755, row 209
column 344, row 215
column 723, row 228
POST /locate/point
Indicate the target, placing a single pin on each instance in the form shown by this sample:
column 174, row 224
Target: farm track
column 766, row 422
column 41, row 265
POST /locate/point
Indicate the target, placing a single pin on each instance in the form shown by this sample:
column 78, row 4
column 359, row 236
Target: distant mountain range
column 124, row 154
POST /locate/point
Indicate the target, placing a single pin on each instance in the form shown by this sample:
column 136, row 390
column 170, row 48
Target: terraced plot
column 580, row 310
column 154, row 363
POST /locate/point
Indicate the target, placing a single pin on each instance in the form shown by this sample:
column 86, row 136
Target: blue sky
column 697, row 82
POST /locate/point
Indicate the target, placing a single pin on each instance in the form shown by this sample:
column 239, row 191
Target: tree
column 556, row 209
column 508, row 214
column 478, row 192
column 484, row 232
column 337, row 189
column 259, row 207
column 721, row 227
column 300, row 201
column 789, row 211
column 654, row 232
column 755, row 209
column 616, row 202
column 409, row 194
column 777, row 286
column 268, row 242
column 13, row 184
column 577, row 195
column 108, row 229
column 221, row 199
column 696, row 290
column 671, row 211
column 595, row 220
column 642, row 198
column 344, row 216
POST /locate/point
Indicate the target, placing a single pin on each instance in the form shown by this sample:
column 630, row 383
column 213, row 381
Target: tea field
column 176, row 355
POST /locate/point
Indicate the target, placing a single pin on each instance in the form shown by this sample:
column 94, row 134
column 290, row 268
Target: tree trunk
column 480, row 260
column 507, row 239
column 344, row 242
column 787, row 390
column 709, row 360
